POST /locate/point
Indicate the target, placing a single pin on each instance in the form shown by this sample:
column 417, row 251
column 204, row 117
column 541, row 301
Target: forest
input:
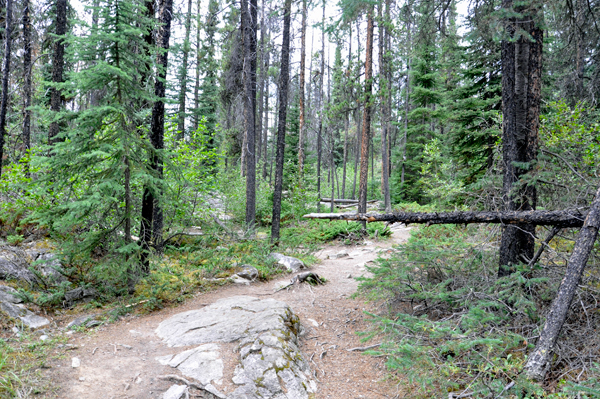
column 139, row 138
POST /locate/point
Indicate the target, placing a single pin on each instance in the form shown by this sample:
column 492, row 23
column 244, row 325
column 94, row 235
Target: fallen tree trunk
column 539, row 361
column 563, row 219
column 340, row 200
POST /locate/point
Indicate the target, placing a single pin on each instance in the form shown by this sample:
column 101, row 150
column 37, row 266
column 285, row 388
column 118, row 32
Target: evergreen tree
column 103, row 153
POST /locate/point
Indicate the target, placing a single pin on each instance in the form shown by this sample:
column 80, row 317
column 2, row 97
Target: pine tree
column 103, row 152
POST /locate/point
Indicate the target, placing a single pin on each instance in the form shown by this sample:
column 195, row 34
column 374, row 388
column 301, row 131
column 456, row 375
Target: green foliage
column 453, row 324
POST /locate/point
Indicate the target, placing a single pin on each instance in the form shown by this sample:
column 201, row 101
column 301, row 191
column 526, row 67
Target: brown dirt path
column 118, row 360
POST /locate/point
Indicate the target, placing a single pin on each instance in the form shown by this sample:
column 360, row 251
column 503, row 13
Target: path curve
column 118, row 360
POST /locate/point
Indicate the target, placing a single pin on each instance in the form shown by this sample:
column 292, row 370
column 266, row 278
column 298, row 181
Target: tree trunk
column 26, row 82
column 152, row 218
column 266, row 117
column 58, row 65
column 196, row 117
column 281, row 123
column 562, row 219
column 302, row 77
column 249, row 38
column 322, row 109
column 183, row 74
column 521, row 89
column 357, row 115
column 366, row 136
column 385, row 87
column 540, row 359
column 5, row 77
column 261, row 89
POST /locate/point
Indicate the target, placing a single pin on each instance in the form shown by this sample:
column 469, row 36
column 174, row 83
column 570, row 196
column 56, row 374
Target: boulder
column 27, row 317
column 9, row 294
column 81, row 321
column 14, row 265
column 80, row 293
column 271, row 364
column 291, row 264
column 50, row 268
column 248, row 272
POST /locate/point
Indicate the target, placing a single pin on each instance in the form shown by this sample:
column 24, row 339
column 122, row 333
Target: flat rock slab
column 290, row 263
column 26, row 316
column 203, row 363
column 271, row 364
column 227, row 320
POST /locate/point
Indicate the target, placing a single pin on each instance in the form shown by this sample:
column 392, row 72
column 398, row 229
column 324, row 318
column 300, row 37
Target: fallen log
column 562, row 219
column 539, row 361
column 340, row 200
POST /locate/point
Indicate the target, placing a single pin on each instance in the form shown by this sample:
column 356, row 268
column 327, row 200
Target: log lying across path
column 565, row 218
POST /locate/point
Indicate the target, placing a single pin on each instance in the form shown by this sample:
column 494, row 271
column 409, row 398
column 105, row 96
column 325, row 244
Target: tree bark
column 152, row 218
column 385, row 88
column 563, row 219
column 183, row 77
column 58, row 65
column 284, row 75
column 521, row 94
column 196, row 116
column 539, row 361
column 321, row 108
column 302, row 78
column 5, row 77
column 249, row 37
column 26, row 82
column 366, row 136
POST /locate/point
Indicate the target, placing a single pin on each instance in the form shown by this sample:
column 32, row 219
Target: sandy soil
column 118, row 360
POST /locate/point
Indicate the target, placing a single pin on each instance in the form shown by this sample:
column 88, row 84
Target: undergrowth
column 451, row 326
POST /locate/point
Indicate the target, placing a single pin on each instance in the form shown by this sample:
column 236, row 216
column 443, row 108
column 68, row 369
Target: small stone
column 15, row 330
column 341, row 254
column 313, row 322
column 248, row 272
column 349, row 275
column 175, row 392
column 81, row 379
column 69, row 333
column 75, row 362
column 43, row 337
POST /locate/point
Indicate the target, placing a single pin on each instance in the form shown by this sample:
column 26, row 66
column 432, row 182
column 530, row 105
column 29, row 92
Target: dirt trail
column 118, row 360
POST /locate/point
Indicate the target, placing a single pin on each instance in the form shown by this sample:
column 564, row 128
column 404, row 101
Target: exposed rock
column 248, row 272
column 79, row 293
column 272, row 365
column 175, row 392
column 341, row 254
column 9, row 294
column 50, row 267
column 26, row 316
column 81, row 320
column 203, row 363
column 14, row 264
column 290, row 263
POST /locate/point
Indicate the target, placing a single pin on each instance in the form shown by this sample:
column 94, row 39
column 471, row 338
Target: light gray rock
column 175, row 392
column 248, row 272
column 292, row 264
column 14, row 265
column 81, row 320
column 341, row 254
column 203, row 363
column 75, row 362
column 227, row 320
column 26, row 316
column 50, row 268
column 9, row 294
column 271, row 363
